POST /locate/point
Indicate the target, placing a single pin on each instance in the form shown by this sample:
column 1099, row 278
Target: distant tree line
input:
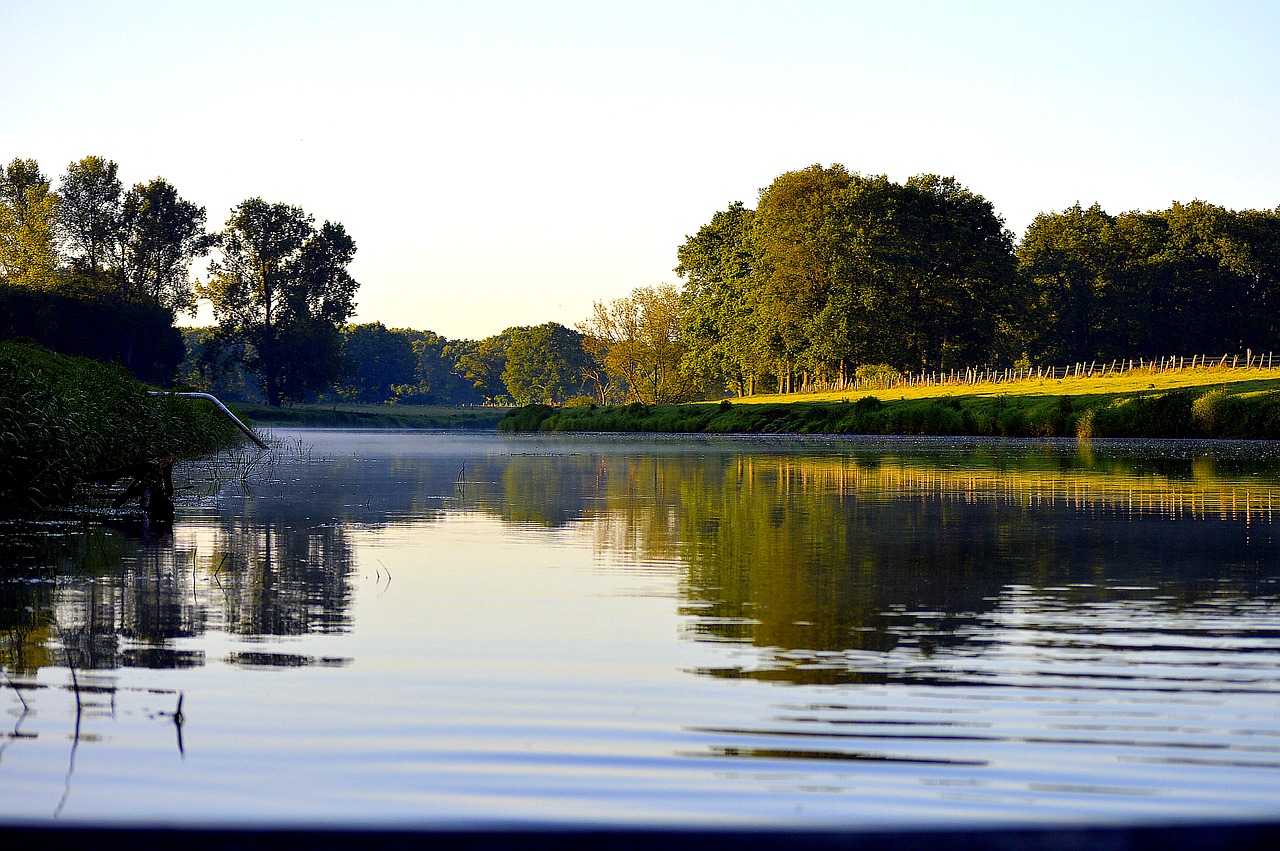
column 832, row 275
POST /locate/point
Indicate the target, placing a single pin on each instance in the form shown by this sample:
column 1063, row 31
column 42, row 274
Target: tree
column 1074, row 263
column 850, row 270
column 637, row 339
column 956, row 275
column 800, row 237
column 546, row 363
column 28, row 219
column 380, row 360
column 89, row 214
column 283, row 287
column 482, row 363
column 720, row 324
column 1195, row 277
column 438, row 379
column 160, row 235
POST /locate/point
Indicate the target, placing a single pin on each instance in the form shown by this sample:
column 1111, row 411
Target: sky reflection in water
column 440, row 628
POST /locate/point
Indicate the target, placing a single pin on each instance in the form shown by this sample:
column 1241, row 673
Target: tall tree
column 720, row 324
column 852, row 270
column 28, row 221
column 89, row 214
column 800, row 239
column 957, row 275
column 283, row 287
column 1075, row 263
column 482, row 363
column 161, row 234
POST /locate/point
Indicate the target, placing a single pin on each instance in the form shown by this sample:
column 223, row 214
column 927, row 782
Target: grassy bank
column 375, row 416
column 1207, row 402
column 64, row 418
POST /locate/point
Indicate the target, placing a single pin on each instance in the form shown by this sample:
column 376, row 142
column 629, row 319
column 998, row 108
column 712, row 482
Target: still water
column 413, row 629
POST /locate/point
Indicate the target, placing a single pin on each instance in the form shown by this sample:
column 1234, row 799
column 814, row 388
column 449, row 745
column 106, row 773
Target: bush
column 1208, row 412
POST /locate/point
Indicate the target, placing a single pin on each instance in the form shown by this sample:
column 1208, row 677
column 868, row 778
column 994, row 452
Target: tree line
column 119, row 262
column 831, row 275
column 834, row 272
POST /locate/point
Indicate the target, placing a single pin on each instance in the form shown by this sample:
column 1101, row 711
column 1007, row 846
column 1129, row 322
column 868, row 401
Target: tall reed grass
column 63, row 419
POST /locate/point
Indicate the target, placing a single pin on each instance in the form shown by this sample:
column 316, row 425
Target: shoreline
column 1210, row 404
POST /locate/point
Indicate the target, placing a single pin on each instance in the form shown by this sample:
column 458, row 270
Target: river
column 409, row 629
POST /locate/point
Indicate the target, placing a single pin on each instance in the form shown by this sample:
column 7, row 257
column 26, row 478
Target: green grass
column 375, row 416
column 1202, row 402
column 65, row 418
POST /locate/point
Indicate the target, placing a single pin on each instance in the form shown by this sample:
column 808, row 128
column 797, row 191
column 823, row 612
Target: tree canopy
column 282, row 286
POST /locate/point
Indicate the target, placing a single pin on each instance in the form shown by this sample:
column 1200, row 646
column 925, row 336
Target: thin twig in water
column 75, row 741
column 26, row 710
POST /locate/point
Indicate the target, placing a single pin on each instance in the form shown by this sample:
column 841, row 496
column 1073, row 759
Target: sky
column 510, row 163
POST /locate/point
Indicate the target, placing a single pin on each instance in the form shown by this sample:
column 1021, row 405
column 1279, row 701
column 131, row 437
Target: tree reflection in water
column 821, row 560
column 803, row 553
column 100, row 597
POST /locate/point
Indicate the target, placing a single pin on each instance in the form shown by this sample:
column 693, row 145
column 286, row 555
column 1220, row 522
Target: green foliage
column 139, row 337
column 546, row 363
column 378, row 362
column 1105, row 287
column 482, row 364
column 64, row 418
column 718, row 319
column 89, row 212
column 28, row 220
column 128, row 258
column 1182, row 413
column 637, row 346
column 282, row 287
column 834, row 270
column 350, row 415
column 159, row 234
column 212, row 365
column 1159, row 415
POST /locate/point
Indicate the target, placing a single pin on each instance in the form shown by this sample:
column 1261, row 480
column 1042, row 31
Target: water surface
column 412, row 629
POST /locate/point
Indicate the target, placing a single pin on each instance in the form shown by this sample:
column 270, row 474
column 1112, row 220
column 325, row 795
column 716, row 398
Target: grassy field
column 374, row 416
column 1107, row 387
column 1200, row 402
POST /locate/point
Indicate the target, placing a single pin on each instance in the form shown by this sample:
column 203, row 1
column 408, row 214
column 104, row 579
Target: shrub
column 1207, row 412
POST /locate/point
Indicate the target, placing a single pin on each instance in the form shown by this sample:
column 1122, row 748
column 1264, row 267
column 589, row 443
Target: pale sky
column 504, row 163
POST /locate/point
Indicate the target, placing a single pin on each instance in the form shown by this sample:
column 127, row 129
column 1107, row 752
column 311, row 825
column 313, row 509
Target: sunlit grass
column 1136, row 382
column 1201, row 402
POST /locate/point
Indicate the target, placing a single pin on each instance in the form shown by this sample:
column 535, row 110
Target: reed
column 63, row 419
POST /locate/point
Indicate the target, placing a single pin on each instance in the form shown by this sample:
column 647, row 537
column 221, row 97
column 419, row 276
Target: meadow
column 1209, row 402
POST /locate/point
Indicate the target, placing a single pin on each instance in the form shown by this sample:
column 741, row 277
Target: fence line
column 973, row 375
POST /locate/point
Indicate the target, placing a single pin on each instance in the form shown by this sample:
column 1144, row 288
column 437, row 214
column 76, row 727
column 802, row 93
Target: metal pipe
column 214, row 399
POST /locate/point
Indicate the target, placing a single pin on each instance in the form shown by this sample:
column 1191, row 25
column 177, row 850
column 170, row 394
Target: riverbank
column 375, row 416
column 1203, row 402
column 63, row 419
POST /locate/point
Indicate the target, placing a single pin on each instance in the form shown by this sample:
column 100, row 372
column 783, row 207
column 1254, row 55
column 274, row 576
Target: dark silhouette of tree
column 282, row 287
